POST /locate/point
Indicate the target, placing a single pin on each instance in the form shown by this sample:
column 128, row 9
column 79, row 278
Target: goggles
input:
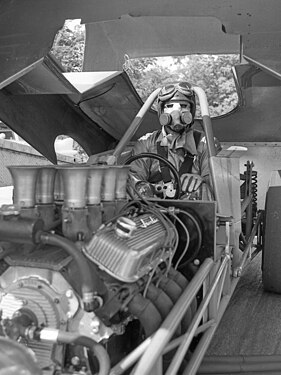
column 168, row 91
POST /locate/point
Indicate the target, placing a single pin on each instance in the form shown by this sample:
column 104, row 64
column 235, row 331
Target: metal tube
column 248, row 247
column 91, row 283
column 128, row 361
column 135, row 124
column 179, row 356
column 245, row 203
column 146, row 312
column 208, row 129
column 20, row 229
column 55, row 335
column 241, row 368
column 166, row 331
column 196, row 359
column 176, row 342
column 263, row 67
column 242, row 358
column 201, row 348
column 207, row 125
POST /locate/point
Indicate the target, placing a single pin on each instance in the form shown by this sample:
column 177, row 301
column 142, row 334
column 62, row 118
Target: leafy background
column 211, row 72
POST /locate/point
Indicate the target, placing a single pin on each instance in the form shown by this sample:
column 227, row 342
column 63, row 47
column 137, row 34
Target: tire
column 271, row 259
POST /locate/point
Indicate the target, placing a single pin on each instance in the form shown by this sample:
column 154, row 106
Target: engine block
column 88, row 263
column 49, row 300
column 43, row 295
column 129, row 249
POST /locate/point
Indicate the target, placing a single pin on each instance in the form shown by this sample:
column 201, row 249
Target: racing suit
column 191, row 144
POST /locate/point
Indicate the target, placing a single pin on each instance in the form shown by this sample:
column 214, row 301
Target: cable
column 186, row 244
column 91, row 282
column 199, row 243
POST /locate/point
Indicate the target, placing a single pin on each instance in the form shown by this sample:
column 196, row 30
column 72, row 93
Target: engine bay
column 88, row 273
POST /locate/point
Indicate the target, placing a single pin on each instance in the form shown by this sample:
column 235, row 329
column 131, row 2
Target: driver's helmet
column 181, row 91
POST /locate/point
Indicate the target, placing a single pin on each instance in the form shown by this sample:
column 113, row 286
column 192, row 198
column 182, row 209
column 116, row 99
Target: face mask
column 177, row 120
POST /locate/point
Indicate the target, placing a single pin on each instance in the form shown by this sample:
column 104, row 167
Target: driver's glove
column 145, row 189
column 190, row 182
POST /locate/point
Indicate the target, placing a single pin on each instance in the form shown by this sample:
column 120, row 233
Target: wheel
column 160, row 158
column 271, row 257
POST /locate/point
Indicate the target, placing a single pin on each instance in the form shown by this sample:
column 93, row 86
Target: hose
column 91, row 284
column 75, row 339
column 146, row 312
column 187, row 239
column 98, row 350
column 199, row 238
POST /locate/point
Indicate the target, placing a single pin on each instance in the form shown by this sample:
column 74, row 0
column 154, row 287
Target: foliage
column 211, row 72
column 144, row 81
column 68, row 47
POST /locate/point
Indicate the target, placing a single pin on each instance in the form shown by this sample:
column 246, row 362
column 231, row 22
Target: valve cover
column 130, row 248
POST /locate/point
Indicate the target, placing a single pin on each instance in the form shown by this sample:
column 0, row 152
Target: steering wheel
column 164, row 160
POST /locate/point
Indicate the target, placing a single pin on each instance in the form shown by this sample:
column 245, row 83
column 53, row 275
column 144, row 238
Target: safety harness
column 186, row 166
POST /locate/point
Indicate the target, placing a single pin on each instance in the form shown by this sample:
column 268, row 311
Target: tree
column 68, row 47
column 211, row 72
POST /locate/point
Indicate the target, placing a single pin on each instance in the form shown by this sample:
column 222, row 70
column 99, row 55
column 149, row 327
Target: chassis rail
column 205, row 321
column 218, row 280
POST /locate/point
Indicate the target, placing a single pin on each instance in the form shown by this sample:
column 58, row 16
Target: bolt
column 69, row 293
column 196, row 262
column 75, row 361
column 95, row 325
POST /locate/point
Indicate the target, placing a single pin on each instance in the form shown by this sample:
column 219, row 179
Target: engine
column 84, row 267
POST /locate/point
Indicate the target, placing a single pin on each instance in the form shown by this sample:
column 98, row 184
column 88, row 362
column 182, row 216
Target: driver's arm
column 202, row 162
column 141, row 169
column 199, row 180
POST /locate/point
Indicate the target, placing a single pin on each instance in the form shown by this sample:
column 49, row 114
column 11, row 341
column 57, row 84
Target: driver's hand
column 145, row 189
column 190, row 182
